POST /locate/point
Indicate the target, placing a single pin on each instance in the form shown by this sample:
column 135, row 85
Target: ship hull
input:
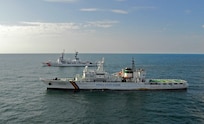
column 66, row 84
column 68, row 65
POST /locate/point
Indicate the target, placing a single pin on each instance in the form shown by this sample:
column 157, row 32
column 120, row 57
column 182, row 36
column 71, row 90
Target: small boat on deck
column 126, row 79
column 76, row 62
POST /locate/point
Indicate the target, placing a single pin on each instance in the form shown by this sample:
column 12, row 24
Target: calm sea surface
column 24, row 99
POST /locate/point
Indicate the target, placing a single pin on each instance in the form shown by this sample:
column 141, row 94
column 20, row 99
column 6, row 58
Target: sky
column 102, row 26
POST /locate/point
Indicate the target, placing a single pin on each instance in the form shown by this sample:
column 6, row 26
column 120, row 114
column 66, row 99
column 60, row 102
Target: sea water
column 24, row 99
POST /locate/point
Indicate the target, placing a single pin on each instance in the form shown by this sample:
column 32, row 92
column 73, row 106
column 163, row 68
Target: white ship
column 76, row 62
column 126, row 79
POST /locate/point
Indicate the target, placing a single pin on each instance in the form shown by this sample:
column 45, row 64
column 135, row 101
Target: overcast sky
column 102, row 26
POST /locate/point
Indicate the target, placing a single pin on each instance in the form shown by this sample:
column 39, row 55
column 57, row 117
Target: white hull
column 70, row 85
column 69, row 65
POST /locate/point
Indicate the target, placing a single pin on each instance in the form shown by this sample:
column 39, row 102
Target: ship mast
column 62, row 57
column 76, row 53
column 133, row 64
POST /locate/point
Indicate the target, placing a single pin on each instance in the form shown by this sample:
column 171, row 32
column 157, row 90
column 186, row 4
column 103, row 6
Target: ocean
column 24, row 99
